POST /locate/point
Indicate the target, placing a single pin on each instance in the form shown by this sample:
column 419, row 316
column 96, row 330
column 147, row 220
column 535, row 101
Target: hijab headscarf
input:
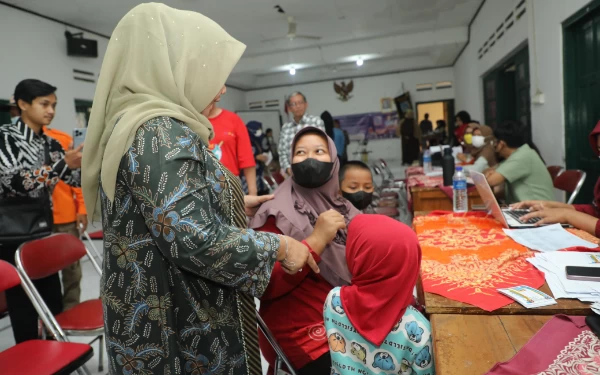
column 487, row 150
column 296, row 210
column 384, row 258
column 160, row 61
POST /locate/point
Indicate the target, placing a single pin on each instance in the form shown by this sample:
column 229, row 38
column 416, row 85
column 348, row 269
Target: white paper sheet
column 547, row 238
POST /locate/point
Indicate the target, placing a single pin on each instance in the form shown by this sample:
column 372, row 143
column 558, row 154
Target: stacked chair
column 390, row 194
column 41, row 258
column 41, row 357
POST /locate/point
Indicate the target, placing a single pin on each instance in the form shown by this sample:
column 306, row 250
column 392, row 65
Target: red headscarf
column 384, row 259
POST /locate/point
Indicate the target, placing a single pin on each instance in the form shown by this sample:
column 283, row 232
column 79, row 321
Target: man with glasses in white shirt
column 298, row 105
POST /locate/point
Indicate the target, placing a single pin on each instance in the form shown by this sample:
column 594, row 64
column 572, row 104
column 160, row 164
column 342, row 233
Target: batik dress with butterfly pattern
column 180, row 269
column 406, row 350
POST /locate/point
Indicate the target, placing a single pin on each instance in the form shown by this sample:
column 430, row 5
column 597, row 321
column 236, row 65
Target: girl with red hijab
column 370, row 324
column 582, row 216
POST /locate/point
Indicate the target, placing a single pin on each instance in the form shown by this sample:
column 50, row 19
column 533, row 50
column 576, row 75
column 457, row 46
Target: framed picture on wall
column 403, row 104
column 387, row 105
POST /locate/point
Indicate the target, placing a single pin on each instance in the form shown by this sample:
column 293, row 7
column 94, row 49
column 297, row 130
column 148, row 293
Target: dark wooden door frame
column 450, row 122
column 574, row 115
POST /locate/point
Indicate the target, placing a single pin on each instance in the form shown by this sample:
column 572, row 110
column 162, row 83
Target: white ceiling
column 390, row 35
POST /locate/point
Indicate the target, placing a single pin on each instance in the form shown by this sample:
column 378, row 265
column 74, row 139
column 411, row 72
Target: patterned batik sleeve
column 17, row 179
column 184, row 202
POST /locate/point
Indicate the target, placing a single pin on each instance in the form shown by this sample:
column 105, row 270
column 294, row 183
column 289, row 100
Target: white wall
column 233, row 100
column 548, row 119
column 366, row 98
column 469, row 69
column 547, row 16
column 34, row 47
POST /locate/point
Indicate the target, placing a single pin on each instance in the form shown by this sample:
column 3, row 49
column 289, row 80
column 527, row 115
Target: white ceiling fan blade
column 275, row 39
column 308, row 37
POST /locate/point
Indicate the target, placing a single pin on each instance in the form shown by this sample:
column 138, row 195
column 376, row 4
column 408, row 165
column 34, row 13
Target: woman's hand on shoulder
column 252, row 203
column 327, row 226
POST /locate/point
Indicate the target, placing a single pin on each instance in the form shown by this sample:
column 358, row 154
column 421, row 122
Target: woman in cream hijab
column 180, row 269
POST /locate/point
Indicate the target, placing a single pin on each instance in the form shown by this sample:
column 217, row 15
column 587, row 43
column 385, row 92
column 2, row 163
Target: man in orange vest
column 70, row 216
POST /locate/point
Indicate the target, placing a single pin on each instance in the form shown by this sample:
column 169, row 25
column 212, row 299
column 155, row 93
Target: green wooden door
column 506, row 92
column 582, row 90
column 522, row 101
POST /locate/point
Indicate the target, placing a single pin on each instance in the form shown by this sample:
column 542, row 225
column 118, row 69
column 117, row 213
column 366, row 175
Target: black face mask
column 360, row 199
column 311, row 173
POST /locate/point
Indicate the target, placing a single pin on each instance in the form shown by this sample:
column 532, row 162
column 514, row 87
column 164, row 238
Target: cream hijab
column 160, row 61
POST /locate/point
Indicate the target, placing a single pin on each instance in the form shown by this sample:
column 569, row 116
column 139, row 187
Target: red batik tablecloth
column 467, row 257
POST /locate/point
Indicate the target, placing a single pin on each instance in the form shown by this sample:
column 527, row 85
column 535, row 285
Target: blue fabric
column 407, row 349
column 340, row 140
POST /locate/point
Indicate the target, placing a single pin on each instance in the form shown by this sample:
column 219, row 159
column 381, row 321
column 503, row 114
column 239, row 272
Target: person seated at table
column 523, row 173
column 482, row 151
column 582, row 216
column 370, row 324
column 356, row 184
column 292, row 306
column 463, row 119
column 467, row 145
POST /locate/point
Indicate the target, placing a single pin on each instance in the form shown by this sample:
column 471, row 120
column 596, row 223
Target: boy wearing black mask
column 356, row 184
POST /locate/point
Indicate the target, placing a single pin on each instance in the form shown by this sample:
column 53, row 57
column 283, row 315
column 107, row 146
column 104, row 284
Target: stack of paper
column 548, row 238
column 527, row 296
column 553, row 266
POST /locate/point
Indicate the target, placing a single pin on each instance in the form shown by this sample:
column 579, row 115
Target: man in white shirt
column 298, row 105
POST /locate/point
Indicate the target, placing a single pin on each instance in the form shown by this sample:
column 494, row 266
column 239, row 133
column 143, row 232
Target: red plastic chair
column 555, row 170
column 278, row 177
column 39, row 357
column 44, row 257
column 570, row 181
column 387, row 211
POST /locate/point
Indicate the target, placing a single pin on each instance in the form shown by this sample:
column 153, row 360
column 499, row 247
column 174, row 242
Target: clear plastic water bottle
column 459, row 186
column 427, row 166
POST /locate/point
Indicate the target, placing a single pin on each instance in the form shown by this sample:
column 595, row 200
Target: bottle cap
column 459, row 169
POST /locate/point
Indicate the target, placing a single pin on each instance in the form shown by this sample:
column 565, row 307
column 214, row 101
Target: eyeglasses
column 296, row 104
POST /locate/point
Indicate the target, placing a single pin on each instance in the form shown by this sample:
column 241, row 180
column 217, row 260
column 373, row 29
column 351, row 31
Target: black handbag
column 24, row 219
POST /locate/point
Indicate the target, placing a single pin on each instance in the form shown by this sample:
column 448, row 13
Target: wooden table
column 436, row 304
column 433, row 198
column 473, row 344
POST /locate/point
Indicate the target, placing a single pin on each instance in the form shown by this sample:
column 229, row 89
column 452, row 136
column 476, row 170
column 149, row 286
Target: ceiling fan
column 291, row 34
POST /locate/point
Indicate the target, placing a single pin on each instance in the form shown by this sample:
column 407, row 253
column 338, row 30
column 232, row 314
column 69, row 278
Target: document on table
column 548, row 238
column 553, row 266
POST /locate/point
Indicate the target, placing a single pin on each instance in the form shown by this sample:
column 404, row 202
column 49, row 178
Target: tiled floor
column 90, row 288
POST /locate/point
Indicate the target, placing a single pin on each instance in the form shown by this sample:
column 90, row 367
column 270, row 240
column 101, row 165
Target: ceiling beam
column 396, row 45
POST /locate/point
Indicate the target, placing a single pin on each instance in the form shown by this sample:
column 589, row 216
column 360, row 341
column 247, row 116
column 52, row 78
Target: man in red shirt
column 231, row 145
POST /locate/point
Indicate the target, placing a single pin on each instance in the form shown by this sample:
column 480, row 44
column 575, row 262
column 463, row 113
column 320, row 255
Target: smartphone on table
column 583, row 273
column 78, row 136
